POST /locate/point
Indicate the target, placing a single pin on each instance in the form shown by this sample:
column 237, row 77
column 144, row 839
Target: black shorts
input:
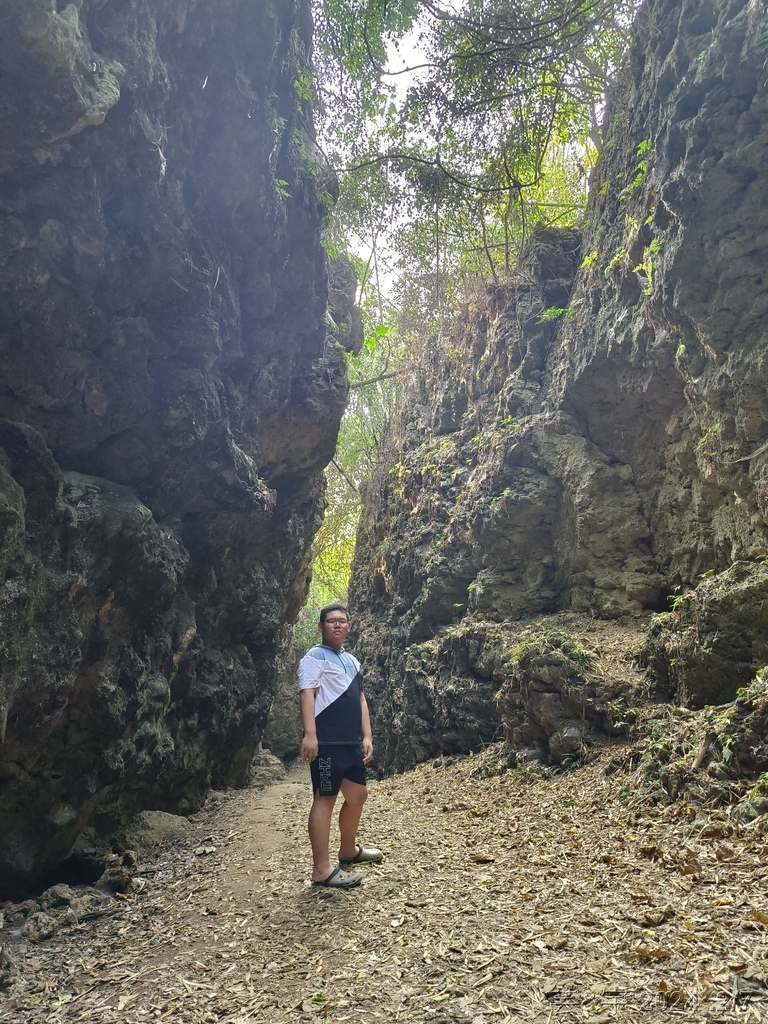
column 333, row 764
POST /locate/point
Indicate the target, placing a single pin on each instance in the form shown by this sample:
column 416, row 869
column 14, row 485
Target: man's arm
column 309, row 743
column 366, row 730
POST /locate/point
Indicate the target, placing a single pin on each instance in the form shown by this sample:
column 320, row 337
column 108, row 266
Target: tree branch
column 356, row 385
column 344, row 477
column 385, row 158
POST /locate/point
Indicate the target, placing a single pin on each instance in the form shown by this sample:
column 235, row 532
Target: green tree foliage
column 375, row 381
column 495, row 132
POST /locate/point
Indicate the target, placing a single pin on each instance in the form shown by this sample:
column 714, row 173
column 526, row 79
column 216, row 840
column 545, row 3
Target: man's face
column 334, row 628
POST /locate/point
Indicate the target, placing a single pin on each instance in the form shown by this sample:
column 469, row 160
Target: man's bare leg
column 320, row 834
column 355, row 796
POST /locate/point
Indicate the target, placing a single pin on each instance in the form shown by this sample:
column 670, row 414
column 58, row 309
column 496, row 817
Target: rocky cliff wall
column 168, row 400
column 591, row 438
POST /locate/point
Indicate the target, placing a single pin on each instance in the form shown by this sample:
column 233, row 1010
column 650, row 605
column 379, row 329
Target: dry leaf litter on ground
column 504, row 896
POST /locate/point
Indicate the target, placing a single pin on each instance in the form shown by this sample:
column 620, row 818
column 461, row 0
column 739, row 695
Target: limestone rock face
column 168, row 401
column 715, row 641
column 283, row 732
column 593, row 435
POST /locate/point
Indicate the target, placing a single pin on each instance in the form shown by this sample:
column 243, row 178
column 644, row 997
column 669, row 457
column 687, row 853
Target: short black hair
column 333, row 608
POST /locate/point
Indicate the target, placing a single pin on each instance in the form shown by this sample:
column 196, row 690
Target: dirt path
column 505, row 896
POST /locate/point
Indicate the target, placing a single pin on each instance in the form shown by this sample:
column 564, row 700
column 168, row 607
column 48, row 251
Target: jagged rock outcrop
column 592, row 436
column 168, row 401
column 283, row 732
column 715, row 639
column 551, row 687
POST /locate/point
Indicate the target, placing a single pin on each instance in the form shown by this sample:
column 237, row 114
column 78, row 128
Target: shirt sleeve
column 311, row 672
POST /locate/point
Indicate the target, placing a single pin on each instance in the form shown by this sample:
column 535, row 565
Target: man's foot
column 340, row 879
column 364, row 855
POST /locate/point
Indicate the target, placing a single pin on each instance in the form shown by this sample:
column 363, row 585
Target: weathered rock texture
column 715, row 638
column 168, row 400
column 605, row 459
column 283, row 733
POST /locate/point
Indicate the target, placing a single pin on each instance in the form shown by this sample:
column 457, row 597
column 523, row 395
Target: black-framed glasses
column 335, row 622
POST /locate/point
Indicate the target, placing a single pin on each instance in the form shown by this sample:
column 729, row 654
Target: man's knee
column 322, row 802
column 321, row 810
column 354, row 793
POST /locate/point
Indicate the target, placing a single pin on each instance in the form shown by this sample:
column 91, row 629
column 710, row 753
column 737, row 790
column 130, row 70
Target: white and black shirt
column 338, row 680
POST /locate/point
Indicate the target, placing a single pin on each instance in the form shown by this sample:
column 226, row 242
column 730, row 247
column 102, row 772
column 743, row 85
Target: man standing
column 337, row 745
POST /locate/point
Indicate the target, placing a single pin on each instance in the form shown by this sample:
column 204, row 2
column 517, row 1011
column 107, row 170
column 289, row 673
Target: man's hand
column 308, row 750
column 365, row 722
